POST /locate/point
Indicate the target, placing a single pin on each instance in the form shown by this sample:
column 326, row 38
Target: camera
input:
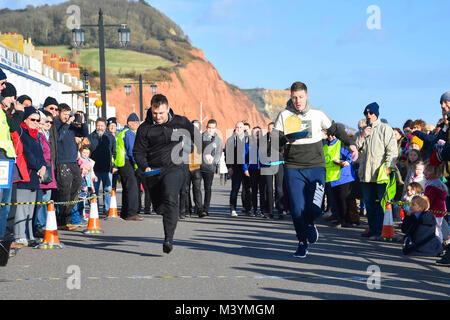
column 78, row 118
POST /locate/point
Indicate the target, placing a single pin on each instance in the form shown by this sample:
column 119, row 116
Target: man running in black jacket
column 158, row 146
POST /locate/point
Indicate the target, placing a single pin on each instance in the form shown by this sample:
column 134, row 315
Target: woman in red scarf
column 27, row 191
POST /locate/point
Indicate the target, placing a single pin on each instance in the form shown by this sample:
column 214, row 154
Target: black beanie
column 50, row 101
column 23, row 98
column 111, row 120
column 9, row 91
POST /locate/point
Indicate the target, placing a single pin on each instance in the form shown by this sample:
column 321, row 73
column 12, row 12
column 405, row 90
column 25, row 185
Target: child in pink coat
column 437, row 192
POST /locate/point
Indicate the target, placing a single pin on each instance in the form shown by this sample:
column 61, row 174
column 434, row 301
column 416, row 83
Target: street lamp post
column 153, row 88
column 86, row 93
column 124, row 39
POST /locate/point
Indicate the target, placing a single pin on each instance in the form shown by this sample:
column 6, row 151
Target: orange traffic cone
column 387, row 234
column 94, row 222
column 51, row 239
column 112, row 213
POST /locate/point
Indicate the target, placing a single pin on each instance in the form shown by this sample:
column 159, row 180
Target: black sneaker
column 302, row 250
column 313, row 234
column 367, row 234
column 202, row 215
column 445, row 261
column 167, row 247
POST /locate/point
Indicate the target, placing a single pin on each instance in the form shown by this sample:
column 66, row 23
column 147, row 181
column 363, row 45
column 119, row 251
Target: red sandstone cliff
column 200, row 83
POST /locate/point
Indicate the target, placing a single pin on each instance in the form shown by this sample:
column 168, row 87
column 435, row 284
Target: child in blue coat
column 419, row 227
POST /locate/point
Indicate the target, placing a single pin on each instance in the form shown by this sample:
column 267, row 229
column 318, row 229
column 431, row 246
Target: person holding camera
column 68, row 175
column 103, row 149
column 14, row 110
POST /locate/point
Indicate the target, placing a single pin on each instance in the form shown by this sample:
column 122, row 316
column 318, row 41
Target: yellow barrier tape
column 66, row 203
column 402, row 203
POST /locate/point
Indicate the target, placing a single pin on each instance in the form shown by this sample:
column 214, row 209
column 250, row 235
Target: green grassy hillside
column 118, row 61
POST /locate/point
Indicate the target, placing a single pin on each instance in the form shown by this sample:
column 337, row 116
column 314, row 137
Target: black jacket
column 153, row 147
column 67, row 147
column 103, row 149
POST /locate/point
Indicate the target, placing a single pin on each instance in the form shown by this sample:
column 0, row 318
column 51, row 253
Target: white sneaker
column 22, row 241
column 234, row 213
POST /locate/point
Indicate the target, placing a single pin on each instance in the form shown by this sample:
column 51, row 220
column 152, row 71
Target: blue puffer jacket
column 34, row 157
column 347, row 173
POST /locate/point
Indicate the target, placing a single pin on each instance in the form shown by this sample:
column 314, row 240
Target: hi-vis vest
column 332, row 153
column 120, row 149
column 5, row 137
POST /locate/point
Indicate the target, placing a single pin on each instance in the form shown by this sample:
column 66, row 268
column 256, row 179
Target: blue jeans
column 306, row 188
column 5, row 197
column 40, row 216
column 106, row 179
column 372, row 194
column 76, row 215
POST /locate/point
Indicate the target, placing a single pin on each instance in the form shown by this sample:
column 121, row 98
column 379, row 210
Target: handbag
column 47, row 177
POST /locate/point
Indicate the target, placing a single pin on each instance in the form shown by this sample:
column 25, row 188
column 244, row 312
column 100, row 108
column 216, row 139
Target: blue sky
column 404, row 66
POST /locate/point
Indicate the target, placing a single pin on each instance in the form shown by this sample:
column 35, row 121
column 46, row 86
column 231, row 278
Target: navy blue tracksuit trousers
column 306, row 189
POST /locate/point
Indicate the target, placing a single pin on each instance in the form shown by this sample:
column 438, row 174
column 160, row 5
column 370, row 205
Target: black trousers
column 184, row 192
column 257, row 187
column 341, row 195
column 165, row 192
column 68, row 177
column 208, row 177
column 246, row 194
column 279, row 190
column 145, row 193
column 130, row 194
column 268, row 193
column 237, row 179
column 194, row 179
column 115, row 178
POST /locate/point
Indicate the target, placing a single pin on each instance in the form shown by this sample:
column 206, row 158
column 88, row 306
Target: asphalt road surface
column 220, row 258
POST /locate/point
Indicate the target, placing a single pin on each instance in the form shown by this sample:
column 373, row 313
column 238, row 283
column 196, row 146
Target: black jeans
column 165, row 192
column 130, row 194
column 68, row 177
column 208, row 177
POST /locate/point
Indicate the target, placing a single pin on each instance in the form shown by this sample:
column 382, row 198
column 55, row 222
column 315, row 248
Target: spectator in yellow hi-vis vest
column 127, row 166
